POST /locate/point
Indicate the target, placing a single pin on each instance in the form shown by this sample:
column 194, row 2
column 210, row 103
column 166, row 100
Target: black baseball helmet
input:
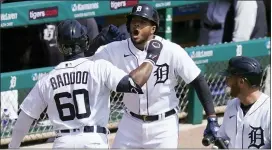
column 72, row 38
column 146, row 11
column 246, row 67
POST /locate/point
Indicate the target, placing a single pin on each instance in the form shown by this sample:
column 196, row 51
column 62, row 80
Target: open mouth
column 135, row 32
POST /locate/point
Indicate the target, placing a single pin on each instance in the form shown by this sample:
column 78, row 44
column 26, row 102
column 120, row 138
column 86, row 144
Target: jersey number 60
column 74, row 112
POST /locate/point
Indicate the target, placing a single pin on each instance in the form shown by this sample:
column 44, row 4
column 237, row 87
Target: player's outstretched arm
column 141, row 74
column 20, row 129
column 203, row 91
column 31, row 108
column 138, row 77
column 191, row 74
column 119, row 81
column 204, row 94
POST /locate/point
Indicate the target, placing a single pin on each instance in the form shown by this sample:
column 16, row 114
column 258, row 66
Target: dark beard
column 235, row 90
column 140, row 42
column 145, row 37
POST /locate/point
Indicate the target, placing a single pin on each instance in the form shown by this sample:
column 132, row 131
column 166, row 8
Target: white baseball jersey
column 249, row 131
column 159, row 91
column 76, row 92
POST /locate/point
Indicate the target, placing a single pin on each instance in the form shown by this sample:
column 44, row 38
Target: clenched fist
column 153, row 49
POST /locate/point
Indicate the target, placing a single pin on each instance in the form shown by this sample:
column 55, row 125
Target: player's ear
column 153, row 29
column 242, row 81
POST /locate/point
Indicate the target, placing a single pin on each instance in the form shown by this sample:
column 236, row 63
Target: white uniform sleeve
column 34, row 104
column 184, row 65
column 111, row 75
column 102, row 53
column 268, row 145
column 20, row 129
column 245, row 19
column 222, row 130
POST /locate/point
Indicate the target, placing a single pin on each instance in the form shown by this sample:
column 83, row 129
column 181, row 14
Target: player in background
column 77, row 92
column 150, row 119
column 247, row 118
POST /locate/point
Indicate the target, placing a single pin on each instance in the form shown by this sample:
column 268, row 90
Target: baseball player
column 150, row 120
column 247, row 118
column 77, row 92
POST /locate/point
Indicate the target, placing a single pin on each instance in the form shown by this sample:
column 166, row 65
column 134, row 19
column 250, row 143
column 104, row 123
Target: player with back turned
column 150, row 120
column 77, row 92
column 247, row 119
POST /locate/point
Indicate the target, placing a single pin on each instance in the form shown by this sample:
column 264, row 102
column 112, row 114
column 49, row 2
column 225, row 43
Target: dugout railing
column 211, row 59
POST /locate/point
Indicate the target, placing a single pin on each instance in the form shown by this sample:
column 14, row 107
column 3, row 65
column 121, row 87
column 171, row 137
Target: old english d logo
column 256, row 137
column 161, row 73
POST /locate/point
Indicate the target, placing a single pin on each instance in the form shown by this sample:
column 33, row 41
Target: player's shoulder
column 264, row 107
column 267, row 101
column 43, row 79
column 232, row 104
column 170, row 46
column 71, row 64
column 102, row 67
column 111, row 48
column 266, row 97
column 116, row 44
column 166, row 42
column 102, row 64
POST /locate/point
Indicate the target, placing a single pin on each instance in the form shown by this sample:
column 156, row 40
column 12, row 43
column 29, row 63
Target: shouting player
column 247, row 118
column 150, row 120
column 77, row 92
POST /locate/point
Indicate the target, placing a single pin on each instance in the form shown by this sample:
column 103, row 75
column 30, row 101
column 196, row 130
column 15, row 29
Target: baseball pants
column 81, row 140
column 135, row 133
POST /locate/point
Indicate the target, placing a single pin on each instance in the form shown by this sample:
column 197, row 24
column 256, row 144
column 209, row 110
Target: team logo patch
column 256, row 137
column 156, row 44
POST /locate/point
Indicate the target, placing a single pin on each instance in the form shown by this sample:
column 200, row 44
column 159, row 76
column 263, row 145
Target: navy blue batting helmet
column 146, row 11
column 72, row 38
column 245, row 67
